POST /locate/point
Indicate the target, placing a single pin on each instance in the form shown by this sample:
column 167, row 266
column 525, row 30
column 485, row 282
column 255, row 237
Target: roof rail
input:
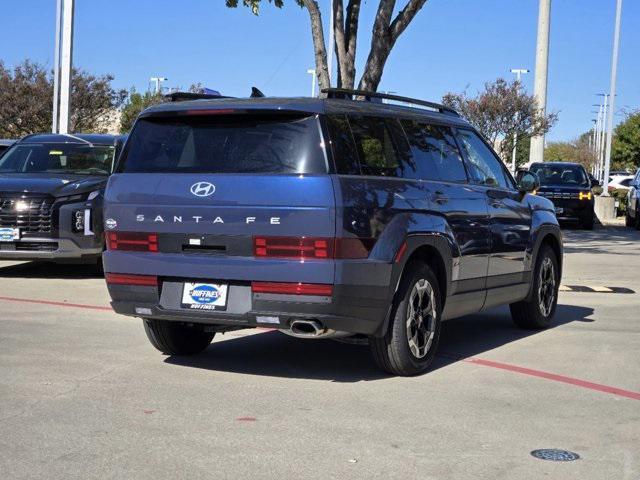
column 349, row 94
column 183, row 96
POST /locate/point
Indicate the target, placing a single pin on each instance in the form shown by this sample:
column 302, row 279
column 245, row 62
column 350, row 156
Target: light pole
column 312, row 72
column 158, row 81
column 63, row 63
column 541, row 74
column 603, row 122
column 518, row 72
column 332, row 43
column 612, row 97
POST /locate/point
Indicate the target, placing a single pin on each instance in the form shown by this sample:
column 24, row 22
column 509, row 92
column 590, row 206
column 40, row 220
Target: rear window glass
column 225, row 144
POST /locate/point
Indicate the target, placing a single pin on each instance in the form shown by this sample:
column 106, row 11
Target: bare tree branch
column 405, row 16
column 319, row 47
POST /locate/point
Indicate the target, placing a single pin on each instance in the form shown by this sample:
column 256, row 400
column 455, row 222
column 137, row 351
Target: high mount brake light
column 126, row 279
column 321, row 289
column 210, row 111
column 319, row 248
column 132, row 241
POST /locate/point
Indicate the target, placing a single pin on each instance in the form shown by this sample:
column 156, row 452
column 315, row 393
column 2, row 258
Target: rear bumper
column 343, row 311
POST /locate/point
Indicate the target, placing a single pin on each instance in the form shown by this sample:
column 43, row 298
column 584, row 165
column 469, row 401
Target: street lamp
column 612, row 96
column 312, row 72
column 158, row 81
column 518, row 72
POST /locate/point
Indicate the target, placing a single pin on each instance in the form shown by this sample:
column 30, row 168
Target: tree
column 501, row 110
column 26, row 99
column 625, row 153
column 136, row 103
column 386, row 30
column 577, row 151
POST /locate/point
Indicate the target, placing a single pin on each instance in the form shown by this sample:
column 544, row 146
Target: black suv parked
column 51, row 190
column 568, row 186
column 322, row 217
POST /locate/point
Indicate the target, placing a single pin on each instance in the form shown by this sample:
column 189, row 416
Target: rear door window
column 344, row 149
column 435, row 152
column 380, row 147
column 269, row 144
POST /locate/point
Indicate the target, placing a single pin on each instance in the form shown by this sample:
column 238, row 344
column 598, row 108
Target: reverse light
column 287, row 288
column 126, row 279
column 132, row 241
column 584, row 196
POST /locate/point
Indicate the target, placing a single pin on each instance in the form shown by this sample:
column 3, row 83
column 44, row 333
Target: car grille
column 30, row 215
column 564, row 195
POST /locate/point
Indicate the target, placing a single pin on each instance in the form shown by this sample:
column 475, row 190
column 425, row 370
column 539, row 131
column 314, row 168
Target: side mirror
column 519, row 174
column 594, row 183
column 528, row 182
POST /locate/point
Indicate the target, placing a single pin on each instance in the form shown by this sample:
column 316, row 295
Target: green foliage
column 625, row 153
column 26, row 100
column 620, row 195
column 577, row 151
column 136, row 103
column 254, row 5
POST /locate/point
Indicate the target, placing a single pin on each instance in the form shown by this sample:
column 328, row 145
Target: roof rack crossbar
column 346, row 93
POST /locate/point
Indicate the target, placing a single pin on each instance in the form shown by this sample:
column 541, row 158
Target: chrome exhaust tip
column 312, row 329
column 307, row 328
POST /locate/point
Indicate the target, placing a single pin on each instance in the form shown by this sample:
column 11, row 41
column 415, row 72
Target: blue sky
column 450, row 46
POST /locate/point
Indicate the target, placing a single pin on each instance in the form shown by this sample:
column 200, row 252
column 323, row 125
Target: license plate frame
column 204, row 296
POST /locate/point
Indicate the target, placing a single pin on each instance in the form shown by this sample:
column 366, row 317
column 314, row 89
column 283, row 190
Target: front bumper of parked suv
column 52, row 229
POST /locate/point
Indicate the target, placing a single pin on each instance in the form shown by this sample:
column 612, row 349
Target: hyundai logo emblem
column 203, row 189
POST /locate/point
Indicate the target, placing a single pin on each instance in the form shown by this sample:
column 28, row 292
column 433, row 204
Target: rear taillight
column 302, row 248
column 293, row 247
column 292, row 288
column 132, row 241
column 126, row 279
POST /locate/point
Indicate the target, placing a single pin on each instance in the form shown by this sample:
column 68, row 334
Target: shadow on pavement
column 50, row 270
column 276, row 355
column 612, row 240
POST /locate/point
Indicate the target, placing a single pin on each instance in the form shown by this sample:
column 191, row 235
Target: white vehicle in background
column 620, row 182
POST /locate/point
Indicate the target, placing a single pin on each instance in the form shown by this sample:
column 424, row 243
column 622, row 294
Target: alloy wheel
column 546, row 287
column 421, row 318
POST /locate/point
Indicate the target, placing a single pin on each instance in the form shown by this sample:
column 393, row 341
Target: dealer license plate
column 205, row 296
column 9, row 234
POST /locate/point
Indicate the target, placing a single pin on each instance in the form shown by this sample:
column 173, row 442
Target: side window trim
column 507, row 176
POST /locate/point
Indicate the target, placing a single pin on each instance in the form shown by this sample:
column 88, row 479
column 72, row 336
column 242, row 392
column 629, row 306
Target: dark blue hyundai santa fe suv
column 322, row 217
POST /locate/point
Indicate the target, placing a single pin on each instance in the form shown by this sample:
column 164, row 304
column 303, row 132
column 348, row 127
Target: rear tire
column 175, row 339
column 536, row 313
column 411, row 340
column 628, row 221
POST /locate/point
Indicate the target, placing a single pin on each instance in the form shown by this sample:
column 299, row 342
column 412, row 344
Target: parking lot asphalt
column 84, row 395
